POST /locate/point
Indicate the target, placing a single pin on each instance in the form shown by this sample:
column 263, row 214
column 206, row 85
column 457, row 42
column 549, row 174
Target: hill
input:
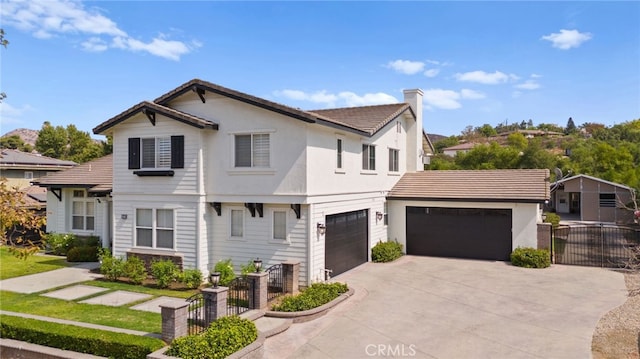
column 27, row 135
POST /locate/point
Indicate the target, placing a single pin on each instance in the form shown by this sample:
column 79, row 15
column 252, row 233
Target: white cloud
column 406, row 67
column 444, row 99
column 345, row 98
column 49, row 18
column 528, row 85
column 567, row 39
column 471, row 94
column 432, row 72
column 535, row 76
column 12, row 115
column 485, row 77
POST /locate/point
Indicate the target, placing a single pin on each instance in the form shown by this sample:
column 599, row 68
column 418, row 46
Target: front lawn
column 11, row 266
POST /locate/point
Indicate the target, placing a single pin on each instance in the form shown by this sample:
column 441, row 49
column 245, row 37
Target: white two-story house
column 206, row 173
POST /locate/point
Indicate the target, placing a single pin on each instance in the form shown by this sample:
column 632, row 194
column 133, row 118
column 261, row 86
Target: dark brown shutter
column 177, row 151
column 134, row 153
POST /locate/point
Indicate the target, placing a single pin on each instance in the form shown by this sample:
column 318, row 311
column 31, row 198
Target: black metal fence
column 195, row 319
column 595, row 245
column 238, row 298
column 275, row 281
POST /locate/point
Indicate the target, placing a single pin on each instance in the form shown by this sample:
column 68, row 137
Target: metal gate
column 595, row 245
column 275, row 282
column 195, row 316
column 238, row 298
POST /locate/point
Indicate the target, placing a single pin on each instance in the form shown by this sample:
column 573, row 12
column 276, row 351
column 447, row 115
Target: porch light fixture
column 257, row 263
column 379, row 216
column 321, row 228
column 214, row 279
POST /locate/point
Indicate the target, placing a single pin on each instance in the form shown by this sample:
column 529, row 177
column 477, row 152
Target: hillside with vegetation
column 611, row 153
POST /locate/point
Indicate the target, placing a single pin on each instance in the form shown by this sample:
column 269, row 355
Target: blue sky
column 83, row 62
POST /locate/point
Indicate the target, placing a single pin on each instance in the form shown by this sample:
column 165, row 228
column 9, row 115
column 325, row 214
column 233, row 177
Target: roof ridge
column 359, row 107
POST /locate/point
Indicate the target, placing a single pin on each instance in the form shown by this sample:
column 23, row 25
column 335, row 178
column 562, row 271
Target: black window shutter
column 177, row 151
column 134, row 153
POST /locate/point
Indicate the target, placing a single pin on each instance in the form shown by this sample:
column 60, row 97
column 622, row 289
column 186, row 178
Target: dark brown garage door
column 459, row 232
column 346, row 240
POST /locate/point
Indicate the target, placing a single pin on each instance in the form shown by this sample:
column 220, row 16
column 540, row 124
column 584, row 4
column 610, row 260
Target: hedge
column 78, row 339
column 531, row 258
column 314, row 296
column 386, row 251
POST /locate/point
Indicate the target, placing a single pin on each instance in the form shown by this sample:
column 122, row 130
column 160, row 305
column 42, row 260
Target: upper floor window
column 368, row 157
column 156, row 152
column 82, row 211
column 252, row 150
column 393, row 160
column 339, row 153
column 154, row 228
column 607, row 200
column 398, row 127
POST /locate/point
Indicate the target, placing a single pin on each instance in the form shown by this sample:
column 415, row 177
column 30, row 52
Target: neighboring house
column 591, row 199
column 206, row 173
column 467, row 214
column 461, row 148
column 21, row 168
column 78, row 199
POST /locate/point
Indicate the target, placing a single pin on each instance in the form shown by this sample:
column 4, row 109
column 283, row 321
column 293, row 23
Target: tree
column 486, row 130
column 15, row 142
column 16, row 221
column 70, row 144
column 571, row 127
column 52, row 141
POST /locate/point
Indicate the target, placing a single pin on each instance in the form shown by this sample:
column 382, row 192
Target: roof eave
column 474, row 200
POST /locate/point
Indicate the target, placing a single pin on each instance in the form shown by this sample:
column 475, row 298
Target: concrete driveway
column 427, row 307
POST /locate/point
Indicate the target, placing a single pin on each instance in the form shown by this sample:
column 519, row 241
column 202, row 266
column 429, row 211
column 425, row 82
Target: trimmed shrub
column 224, row 337
column 192, row 278
column 110, row 266
column 248, row 268
column 531, row 258
column 78, row 339
column 314, row 296
column 164, row 272
column 552, row 218
column 135, row 270
column 83, row 254
column 386, row 251
column 226, row 271
column 60, row 243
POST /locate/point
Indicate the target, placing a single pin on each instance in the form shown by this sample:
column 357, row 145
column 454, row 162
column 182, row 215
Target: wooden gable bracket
column 259, row 208
column 217, row 206
column 252, row 208
column 200, row 92
column 58, row 193
column 296, row 208
column 150, row 115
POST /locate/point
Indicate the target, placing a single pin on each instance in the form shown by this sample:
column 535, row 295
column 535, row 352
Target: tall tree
column 52, row 141
column 571, row 127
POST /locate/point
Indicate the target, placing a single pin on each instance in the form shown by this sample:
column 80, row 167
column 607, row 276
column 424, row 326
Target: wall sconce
column 379, row 216
column 123, row 216
column 321, row 228
column 214, row 279
column 257, row 264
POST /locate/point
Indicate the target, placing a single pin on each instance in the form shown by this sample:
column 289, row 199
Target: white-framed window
column 237, row 223
column 82, row 211
column 339, row 151
column 252, row 150
column 394, row 155
column 155, row 152
column 28, row 175
column 386, row 213
column 398, row 127
column 368, row 157
column 155, row 228
column 279, row 225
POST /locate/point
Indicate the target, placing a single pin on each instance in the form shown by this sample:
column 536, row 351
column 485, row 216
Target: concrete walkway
column 427, row 307
column 52, row 279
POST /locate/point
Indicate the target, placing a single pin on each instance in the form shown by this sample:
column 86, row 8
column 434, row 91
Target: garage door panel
column 346, row 240
column 459, row 232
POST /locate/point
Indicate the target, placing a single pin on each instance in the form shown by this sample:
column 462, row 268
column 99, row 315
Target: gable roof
column 96, row 176
column 594, row 179
column 365, row 120
column 150, row 109
column 524, row 186
column 24, row 160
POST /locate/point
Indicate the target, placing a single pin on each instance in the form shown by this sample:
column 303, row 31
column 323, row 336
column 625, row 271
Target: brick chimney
column 414, row 131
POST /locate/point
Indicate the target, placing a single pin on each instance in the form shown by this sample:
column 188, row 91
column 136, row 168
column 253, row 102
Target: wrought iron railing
column 238, row 298
column 275, row 281
column 196, row 318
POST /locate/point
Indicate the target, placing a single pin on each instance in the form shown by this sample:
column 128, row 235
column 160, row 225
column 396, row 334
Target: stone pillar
column 291, row 272
column 215, row 303
column 175, row 317
column 260, row 287
column 545, row 236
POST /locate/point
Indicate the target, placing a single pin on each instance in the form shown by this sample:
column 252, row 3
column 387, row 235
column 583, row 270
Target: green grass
column 143, row 289
column 11, row 266
column 120, row 317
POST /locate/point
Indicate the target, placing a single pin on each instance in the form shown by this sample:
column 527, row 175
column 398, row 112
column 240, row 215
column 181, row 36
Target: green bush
column 165, row 272
column 86, row 241
column 225, row 268
column 83, row 254
column 552, row 218
column 224, row 337
column 531, row 258
column 110, row 266
column 248, row 268
column 78, row 339
column 60, row 243
column 192, row 278
column 314, row 296
column 135, row 270
column 386, row 251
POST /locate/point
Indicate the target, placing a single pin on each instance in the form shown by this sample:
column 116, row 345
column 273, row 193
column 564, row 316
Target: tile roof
column 96, row 174
column 368, row 119
column 18, row 159
column 524, row 185
column 156, row 108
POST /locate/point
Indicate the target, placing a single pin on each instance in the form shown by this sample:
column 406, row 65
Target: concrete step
column 269, row 326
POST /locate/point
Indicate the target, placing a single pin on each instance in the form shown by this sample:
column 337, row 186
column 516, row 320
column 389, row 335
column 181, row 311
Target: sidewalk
column 48, row 280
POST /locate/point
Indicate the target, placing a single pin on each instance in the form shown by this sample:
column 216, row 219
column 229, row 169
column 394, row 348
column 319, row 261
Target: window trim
column 339, row 157
column 370, row 159
column 252, row 166
column 286, row 238
column 175, row 155
column 154, row 228
column 85, row 200
column 397, row 160
column 230, row 224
